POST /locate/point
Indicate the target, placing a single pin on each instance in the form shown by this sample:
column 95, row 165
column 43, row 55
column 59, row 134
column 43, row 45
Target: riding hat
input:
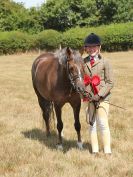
column 92, row 40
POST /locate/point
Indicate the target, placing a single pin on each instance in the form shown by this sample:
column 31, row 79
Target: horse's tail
column 52, row 115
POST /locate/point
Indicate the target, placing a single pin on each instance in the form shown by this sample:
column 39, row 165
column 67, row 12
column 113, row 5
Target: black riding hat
column 92, row 39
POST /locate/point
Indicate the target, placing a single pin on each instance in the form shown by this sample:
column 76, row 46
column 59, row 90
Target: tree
column 124, row 11
column 62, row 14
column 14, row 16
column 30, row 21
column 54, row 15
column 9, row 15
column 110, row 11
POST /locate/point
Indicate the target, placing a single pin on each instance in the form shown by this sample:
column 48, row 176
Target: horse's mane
column 61, row 55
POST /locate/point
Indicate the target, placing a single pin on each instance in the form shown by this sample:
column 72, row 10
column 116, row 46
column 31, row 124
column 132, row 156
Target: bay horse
column 57, row 79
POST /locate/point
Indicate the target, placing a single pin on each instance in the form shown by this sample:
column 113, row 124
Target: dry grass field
column 26, row 152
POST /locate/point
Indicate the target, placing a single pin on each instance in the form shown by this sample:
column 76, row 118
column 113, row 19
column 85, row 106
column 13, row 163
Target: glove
column 95, row 98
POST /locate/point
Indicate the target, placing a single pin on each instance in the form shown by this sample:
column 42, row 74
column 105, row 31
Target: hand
column 96, row 103
column 95, row 98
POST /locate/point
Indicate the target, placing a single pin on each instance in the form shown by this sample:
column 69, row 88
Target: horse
column 57, row 79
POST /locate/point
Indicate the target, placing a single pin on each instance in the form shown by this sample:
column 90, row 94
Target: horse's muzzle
column 84, row 93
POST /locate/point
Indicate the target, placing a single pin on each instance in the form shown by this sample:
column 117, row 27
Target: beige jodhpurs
column 101, row 122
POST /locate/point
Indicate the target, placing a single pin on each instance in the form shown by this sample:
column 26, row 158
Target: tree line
column 115, row 37
column 62, row 15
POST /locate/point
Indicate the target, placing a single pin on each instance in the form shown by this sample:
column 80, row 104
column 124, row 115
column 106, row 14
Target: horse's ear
column 68, row 53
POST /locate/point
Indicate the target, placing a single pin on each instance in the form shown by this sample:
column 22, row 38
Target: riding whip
column 115, row 105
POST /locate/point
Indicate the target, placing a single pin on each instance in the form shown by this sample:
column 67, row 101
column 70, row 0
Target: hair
column 61, row 55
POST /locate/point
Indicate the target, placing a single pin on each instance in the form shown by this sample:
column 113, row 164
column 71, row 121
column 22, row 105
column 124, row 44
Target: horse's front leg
column 76, row 110
column 59, row 125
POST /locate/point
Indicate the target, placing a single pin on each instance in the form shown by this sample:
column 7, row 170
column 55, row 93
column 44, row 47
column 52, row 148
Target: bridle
column 73, row 78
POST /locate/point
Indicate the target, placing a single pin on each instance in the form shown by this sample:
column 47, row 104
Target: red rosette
column 87, row 80
column 95, row 80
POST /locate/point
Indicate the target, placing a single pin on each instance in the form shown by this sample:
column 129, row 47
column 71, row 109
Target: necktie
column 92, row 61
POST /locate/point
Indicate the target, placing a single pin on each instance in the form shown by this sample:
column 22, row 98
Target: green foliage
column 73, row 37
column 29, row 21
column 124, row 11
column 62, row 15
column 115, row 37
column 54, row 15
column 75, row 18
column 118, row 37
column 110, row 11
column 10, row 14
column 13, row 42
column 49, row 39
column 13, row 16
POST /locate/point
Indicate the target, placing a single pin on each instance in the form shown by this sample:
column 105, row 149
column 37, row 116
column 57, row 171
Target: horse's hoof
column 80, row 145
column 59, row 147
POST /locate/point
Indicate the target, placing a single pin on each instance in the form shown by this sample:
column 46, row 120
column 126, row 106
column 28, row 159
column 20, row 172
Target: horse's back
column 44, row 60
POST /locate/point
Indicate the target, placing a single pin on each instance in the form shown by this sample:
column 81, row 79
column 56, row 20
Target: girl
column 99, row 70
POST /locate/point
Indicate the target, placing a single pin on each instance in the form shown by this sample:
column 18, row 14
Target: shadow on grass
column 51, row 141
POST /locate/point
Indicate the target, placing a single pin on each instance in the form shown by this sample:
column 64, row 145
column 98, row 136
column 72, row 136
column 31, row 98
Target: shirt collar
column 95, row 57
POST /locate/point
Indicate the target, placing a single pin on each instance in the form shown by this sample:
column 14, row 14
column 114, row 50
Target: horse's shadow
column 51, row 141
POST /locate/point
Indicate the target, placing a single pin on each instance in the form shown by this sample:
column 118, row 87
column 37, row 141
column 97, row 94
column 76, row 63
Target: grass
column 24, row 149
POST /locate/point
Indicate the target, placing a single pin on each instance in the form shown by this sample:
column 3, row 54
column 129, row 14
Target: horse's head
column 74, row 66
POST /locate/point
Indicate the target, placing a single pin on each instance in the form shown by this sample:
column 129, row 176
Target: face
column 93, row 50
column 74, row 69
column 75, row 73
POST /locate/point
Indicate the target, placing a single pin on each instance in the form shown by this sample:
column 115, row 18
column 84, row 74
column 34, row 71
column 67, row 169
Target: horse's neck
column 63, row 73
column 63, row 77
